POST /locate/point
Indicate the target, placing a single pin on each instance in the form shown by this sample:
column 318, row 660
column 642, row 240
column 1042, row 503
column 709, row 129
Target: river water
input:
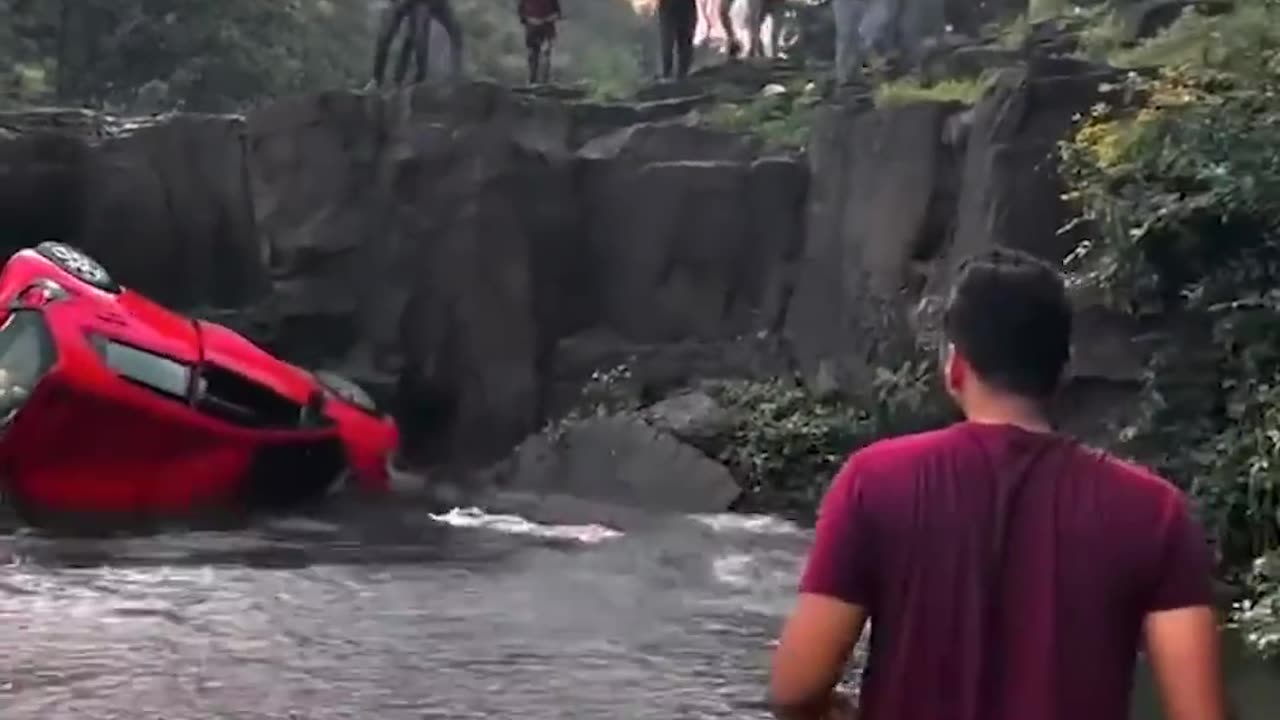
column 390, row 612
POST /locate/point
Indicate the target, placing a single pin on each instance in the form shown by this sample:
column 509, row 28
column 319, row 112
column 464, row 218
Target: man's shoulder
column 1133, row 476
column 902, row 452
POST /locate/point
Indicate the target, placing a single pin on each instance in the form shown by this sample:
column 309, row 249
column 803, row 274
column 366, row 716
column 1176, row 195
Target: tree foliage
column 217, row 55
column 1183, row 189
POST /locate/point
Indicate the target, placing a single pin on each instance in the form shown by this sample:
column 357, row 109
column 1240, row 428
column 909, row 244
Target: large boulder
column 622, row 461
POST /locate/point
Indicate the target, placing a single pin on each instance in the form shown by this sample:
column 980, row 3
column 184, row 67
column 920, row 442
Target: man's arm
column 835, row 594
column 1181, row 627
column 815, row 645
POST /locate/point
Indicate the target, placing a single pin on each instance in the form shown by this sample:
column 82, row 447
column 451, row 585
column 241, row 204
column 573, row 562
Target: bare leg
column 775, row 29
column 755, row 18
column 732, row 47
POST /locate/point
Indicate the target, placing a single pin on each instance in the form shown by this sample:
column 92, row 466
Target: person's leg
column 392, row 16
column 773, row 15
column 548, row 44
column 732, row 47
column 666, row 34
column 442, row 12
column 686, row 24
column 847, row 15
column 755, row 18
column 404, row 56
column 533, row 50
column 421, row 42
column 409, row 46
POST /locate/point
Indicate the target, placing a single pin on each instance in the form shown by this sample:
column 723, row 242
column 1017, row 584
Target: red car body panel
column 89, row 440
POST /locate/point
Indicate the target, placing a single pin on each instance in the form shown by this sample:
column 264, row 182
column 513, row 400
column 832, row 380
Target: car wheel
column 78, row 264
column 346, row 390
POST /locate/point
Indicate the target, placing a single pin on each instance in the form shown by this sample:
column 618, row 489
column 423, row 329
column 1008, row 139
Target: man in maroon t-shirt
column 1009, row 573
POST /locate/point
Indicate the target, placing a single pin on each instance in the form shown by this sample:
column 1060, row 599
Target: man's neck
column 1017, row 412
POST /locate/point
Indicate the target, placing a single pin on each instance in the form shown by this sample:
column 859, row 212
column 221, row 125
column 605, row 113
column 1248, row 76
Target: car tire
column 347, row 390
column 78, row 264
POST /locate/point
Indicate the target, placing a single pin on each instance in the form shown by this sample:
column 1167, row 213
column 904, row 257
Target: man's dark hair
column 1009, row 316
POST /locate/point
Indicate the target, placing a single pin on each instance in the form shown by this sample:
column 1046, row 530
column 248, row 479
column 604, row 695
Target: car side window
column 155, row 371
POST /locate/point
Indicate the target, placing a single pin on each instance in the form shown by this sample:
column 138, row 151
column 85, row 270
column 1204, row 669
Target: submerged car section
column 113, row 404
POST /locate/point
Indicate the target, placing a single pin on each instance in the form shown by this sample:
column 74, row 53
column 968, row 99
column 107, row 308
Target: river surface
column 391, row 613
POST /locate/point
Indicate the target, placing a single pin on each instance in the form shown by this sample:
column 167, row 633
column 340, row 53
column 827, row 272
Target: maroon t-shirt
column 1036, row 616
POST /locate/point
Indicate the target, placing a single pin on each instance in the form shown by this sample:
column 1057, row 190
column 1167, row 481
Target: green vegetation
column 782, row 442
column 909, row 90
column 1222, row 41
column 1183, row 195
column 780, row 115
column 785, row 444
column 219, row 55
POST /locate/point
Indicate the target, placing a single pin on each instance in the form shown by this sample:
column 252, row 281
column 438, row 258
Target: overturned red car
column 111, row 404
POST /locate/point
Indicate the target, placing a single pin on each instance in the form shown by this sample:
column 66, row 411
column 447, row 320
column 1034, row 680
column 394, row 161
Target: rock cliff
column 473, row 254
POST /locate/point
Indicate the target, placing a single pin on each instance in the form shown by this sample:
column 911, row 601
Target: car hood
column 227, row 349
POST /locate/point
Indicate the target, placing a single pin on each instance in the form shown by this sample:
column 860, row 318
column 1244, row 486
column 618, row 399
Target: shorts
column 535, row 36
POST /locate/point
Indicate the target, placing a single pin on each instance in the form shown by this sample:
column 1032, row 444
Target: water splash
column 474, row 517
column 750, row 524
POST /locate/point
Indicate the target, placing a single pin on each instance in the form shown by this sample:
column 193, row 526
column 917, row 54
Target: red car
column 111, row 404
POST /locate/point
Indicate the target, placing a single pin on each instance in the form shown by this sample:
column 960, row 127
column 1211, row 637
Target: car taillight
column 38, row 294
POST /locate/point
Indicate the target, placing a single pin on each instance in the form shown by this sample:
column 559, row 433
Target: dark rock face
column 442, row 244
column 899, row 197
column 163, row 202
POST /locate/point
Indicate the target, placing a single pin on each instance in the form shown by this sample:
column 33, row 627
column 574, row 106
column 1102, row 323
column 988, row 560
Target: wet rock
column 622, row 461
column 694, row 417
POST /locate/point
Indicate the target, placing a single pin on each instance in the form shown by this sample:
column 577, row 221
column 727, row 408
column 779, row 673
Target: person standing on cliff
column 416, row 17
column 1008, row 572
column 677, row 22
column 539, row 19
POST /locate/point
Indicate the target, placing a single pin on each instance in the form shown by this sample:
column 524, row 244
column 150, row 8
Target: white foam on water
column 757, row 571
column 763, row 583
column 754, row 524
column 474, row 517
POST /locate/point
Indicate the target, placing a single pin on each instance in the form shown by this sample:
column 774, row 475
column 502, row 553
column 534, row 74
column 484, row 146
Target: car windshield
column 26, row 354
